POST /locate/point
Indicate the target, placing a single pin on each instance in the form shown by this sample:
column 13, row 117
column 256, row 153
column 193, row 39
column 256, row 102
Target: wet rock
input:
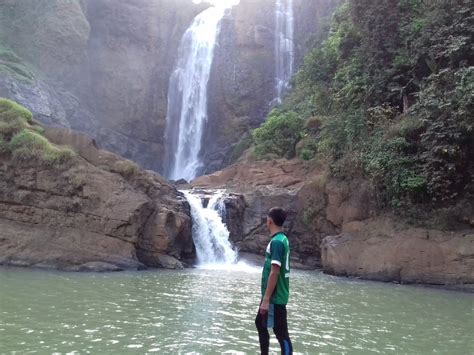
column 159, row 260
column 98, row 267
column 255, row 188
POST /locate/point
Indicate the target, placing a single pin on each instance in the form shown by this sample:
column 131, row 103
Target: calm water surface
column 212, row 312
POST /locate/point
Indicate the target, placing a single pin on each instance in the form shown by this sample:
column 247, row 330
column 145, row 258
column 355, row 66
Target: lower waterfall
column 210, row 234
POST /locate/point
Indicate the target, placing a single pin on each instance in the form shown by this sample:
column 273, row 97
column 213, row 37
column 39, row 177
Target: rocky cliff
column 338, row 226
column 100, row 67
column 242, row 83
column 89, row 210
column 103, row 67
column 379, row 249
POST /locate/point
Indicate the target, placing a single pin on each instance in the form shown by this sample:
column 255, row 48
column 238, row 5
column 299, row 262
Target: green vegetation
column 392, row 88
column 21, row 138
column 11, row 64
column 278, row 136
column 239, row 148
column 126, row 168
column 13, row 118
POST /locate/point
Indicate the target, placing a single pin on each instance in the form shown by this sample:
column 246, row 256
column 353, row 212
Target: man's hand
column 264, row 306
column 272, row 280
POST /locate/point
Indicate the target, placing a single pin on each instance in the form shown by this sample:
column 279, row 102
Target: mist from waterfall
column 284, row 51
column 210, row 234
column 187, row 94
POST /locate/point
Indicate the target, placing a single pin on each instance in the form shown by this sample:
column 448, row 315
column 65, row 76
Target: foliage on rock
column 12, row 65
column 279, row 135
column 393, row 87
column 21, row 138
column 126, row 168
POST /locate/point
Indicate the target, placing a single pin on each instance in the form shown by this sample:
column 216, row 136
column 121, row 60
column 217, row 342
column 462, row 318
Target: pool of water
column 212, row 312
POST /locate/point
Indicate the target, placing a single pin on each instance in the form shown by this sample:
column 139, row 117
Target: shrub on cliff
column 28, row 145
column 20, row 137
column 12, row 65
column 394, row 84
column 13, row 118
column 126, row 168
column 3, row 145
column 278, row 136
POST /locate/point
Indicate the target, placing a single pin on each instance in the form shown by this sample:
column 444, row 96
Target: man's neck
column 275, row 230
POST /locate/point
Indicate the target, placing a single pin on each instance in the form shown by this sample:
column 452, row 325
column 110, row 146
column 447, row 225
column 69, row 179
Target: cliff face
column 312, row 23
column 132, row 49
column 336, row 225
column 50, row 35
column 242, row 83
column 96, row 212
column 101, row 67
column 378, row 249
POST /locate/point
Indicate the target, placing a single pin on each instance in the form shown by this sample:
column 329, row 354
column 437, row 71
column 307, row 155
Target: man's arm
column 272, row 281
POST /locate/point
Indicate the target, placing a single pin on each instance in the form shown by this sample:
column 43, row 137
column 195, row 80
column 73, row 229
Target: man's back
column 278, row 253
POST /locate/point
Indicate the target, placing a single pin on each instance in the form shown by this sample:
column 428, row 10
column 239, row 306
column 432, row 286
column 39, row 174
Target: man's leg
column 281, row 330
column 263, row 335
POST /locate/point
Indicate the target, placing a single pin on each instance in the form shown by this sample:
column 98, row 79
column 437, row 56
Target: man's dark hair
column 278, row 215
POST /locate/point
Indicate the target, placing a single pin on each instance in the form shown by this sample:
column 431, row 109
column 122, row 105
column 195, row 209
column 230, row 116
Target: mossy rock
column 13, row 118
column 12, row 65
column 24, row 140
column 126, row 168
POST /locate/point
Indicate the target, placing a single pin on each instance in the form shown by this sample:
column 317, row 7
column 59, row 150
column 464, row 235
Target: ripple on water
column 211, row 311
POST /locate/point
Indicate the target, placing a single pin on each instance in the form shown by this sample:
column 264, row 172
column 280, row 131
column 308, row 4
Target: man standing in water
column 275, row 286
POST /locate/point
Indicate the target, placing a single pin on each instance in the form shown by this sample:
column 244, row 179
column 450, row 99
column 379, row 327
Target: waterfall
column 284, row 56
column 210, row 234
column 187, row 94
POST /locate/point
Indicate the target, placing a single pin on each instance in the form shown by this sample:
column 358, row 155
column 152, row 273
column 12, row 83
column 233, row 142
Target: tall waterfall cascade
column 210, row 234
column 284, row 46
column 187, row 93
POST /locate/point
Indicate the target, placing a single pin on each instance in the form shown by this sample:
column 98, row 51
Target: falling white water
column 284, row 54
column 210, row 234
column 187, row 93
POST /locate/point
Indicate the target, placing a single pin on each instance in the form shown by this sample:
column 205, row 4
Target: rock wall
column 378, row 249
column 95, row 213
column 312, row 23
column 262, row 185
column 242, row 83
column 100, row 67
column 103, row 67
column 132, row 50
column 336, row 225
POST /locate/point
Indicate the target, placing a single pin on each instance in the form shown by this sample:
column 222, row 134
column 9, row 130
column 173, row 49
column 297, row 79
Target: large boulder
column 379, row 249
column 96, row 212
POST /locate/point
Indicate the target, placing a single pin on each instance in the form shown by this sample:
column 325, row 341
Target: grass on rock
column 20, row 137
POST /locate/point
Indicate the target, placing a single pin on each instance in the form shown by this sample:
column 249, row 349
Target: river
column 198, row 311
